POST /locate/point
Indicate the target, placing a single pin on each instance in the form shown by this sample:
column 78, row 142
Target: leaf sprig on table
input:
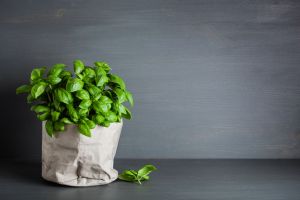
column 90, row 96
column 137, row 176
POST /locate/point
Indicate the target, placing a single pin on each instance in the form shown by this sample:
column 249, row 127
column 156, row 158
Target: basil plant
column 88, row 97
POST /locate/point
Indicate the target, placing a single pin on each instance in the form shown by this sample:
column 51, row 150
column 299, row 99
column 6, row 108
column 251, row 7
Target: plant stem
column 139, row 181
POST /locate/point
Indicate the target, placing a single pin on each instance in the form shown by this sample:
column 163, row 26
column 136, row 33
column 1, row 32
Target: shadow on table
column 25, row 171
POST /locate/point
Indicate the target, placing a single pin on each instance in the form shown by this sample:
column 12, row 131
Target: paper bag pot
column 70, row 158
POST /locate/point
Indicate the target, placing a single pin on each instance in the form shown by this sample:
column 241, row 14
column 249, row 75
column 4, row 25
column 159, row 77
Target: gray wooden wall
column 211, row 79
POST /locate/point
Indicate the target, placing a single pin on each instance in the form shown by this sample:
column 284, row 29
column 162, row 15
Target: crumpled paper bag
column 70, row 158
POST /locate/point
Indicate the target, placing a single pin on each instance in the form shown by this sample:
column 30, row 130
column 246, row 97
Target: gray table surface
column 175, row 179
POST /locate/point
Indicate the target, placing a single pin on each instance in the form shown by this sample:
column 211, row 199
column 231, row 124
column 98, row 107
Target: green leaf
column 66, row 121
column 37, row 73
column 111, row 116
column 82, row 94
column 145, row 178
column 145, row 170
column 30, row 98
column 117, row 80
column 127, row 177
column 63, row 95
column 105, row 100
column 103, row 65
column 49, row 128
column 134, row 176
column 120, row 94
column 65, row 75
column 53, row 80
column 89, row 72
column 78, row 66
column 105, row 124
column 84, row 129
column 55, row 115
column 44, row 116
column 90, row 123
column 98, row 119
column 100, row 107
column 23, row 89
column 83, row 112
column 72, row 113
column 100, row 71
column 38, row 89
column 59, row 126
column 129, row 97
column 85, row 104
column 122, row 109
column 56, row 69
column 96, row 97
column 40, row 108
column 127, row 115
column 93, row 90
column 74, row 84
column 102, row 80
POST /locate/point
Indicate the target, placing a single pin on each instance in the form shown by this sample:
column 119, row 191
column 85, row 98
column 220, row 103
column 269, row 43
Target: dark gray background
column 211, row 79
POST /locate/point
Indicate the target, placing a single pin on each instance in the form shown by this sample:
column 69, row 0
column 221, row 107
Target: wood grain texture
column 174, row 180
column 211, row 79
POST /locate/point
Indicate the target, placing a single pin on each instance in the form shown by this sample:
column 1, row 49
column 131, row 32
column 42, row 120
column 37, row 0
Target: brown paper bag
column 70, row 158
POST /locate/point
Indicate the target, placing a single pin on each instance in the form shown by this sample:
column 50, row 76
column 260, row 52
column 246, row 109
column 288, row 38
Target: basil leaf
column 37, row 73
column 105, row 100
column 111, row 116
column 63, row 95
column 23, row 89
column 30, row 98
column 127, row 115
column 40, row 108
column 120, row 94
column 66, row 121
column 38, row 89
column 65, row 75
column 93, row 90
column 55, row 115
column 84, row 129
column 74, row 84
column 122, row 109
column 99, row 107
column 145, row 170
column 59, row 126
column 78, row 66
column 100, row 71
column 82, row 94
column 44, row 116
column 53, row 80
column 83, row 112
column 56, row 69
column 90, row 123
column 137, row 176
column 105, row 124
column 117, row 80
column 103, row 65
column 100, row 81
column 89, row 72
column 72, row 113
column 85, row 104
column 145, row 178
column 126, row 177
column 98, row 119
column 49, row 128
column 129, row 97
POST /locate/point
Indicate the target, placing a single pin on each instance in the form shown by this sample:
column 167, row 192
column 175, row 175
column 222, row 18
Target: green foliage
column 137, row 176
column 88, row 97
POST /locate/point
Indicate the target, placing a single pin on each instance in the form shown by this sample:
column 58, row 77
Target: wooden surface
column 211, row 78
column 174, row 180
